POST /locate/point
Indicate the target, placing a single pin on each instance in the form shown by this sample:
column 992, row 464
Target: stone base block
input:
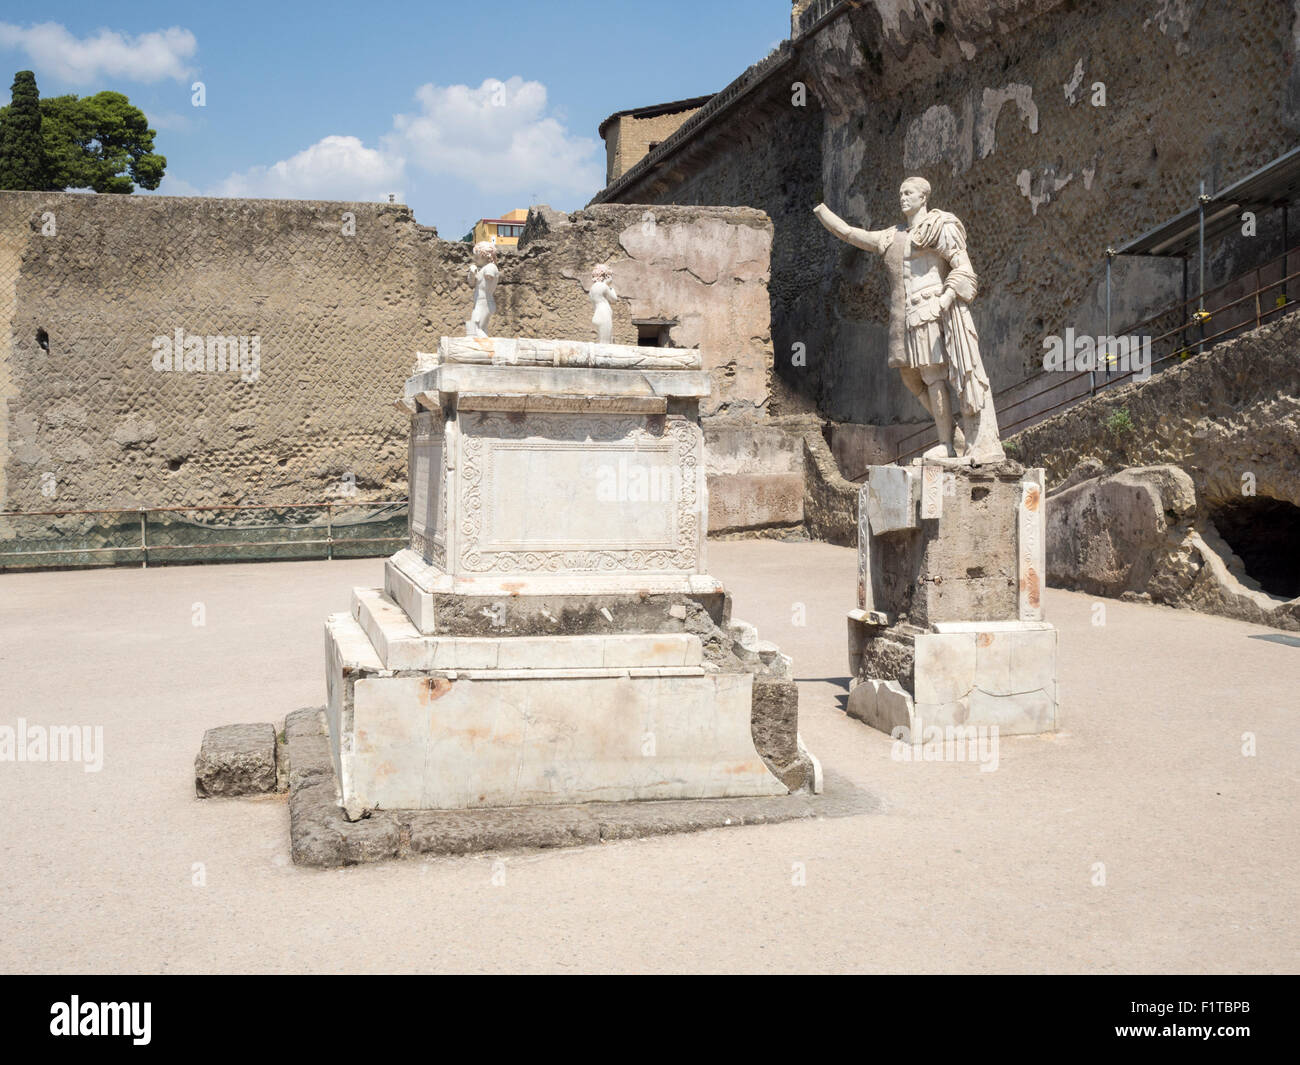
column 419, row 722
column 400, row 645
column 236, row 760
column 883, row 705
column 990, row 673
column 321, row 834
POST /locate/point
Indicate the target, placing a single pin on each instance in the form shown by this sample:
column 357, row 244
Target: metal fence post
column 1201, row 201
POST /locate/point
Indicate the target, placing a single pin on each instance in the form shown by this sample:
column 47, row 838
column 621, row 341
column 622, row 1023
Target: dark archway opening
column 1265, row 534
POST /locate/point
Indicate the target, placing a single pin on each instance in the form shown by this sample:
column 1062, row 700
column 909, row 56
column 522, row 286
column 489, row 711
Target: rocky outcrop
column 1140, row 534
column 1109, row 535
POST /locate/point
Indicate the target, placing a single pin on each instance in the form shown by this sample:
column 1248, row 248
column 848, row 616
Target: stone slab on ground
column 236, row 760
column 321, row 835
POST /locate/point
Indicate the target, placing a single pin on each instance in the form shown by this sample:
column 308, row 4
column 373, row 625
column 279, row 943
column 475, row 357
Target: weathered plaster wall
column 706, row 267
column 340, row 313
column 993, row 102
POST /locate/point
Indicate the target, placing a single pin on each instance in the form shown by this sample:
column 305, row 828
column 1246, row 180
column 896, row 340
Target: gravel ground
column 954, row 869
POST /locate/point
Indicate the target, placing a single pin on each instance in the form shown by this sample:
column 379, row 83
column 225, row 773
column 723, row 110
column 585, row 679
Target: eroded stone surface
column 236, row 760
column 1141, row 533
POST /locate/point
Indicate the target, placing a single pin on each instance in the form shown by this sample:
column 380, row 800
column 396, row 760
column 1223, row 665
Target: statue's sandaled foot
column 940, row 451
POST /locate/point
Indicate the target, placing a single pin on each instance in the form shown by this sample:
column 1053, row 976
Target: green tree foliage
column 22, row 153
column 99, row 142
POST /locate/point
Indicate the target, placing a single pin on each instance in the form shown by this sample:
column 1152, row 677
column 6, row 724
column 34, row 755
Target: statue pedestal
column 949, row 629
column 551, row 634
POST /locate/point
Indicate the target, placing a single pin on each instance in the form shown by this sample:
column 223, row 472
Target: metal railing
column 1185, row 338
column 383, row 512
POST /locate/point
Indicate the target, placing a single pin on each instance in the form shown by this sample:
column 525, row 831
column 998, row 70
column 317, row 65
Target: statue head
column 485, row 252
column 601, row 272
column 913, row 194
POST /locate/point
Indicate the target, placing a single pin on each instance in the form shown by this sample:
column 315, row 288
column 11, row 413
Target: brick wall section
column 628, row 138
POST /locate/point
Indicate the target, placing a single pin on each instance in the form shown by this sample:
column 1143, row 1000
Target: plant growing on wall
column 1117, row 423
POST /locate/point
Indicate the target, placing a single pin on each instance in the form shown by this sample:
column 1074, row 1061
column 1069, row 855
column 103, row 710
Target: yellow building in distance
column 504, row 231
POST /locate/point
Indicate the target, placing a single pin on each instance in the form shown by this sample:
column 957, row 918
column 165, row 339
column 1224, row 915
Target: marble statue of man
column 603, row 297
column 932, row 338
column 483, row 275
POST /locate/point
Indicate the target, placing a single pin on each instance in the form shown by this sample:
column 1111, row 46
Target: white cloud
column 471, row 151
column 497, row 137
column 78, row 60
column 334, row 168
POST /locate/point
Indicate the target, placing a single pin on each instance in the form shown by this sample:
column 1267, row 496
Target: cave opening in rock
column 1265, row 534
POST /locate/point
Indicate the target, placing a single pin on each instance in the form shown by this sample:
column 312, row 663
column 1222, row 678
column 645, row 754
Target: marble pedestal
column 551, row 634
column 949, row 629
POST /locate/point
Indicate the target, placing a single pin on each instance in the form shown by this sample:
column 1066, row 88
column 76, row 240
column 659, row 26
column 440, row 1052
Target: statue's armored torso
column 923, row 271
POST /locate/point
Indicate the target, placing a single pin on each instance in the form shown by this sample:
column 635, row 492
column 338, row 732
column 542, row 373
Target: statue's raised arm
column 877, row 241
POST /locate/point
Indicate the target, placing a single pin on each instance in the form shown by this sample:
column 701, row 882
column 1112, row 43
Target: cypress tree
column 22, row 151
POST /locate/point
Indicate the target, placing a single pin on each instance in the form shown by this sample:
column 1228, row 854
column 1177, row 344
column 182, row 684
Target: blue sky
column 462, row 109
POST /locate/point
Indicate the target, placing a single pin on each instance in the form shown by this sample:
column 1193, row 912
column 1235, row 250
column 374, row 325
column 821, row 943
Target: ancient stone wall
column 339, row 297
column 779, row 175
column 998, row 104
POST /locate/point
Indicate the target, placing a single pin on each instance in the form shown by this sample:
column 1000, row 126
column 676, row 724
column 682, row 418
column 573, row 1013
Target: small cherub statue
column 603, row 297
column 483, row 275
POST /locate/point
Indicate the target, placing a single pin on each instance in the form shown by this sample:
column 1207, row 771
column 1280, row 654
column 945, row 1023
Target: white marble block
column 553, row 467
column 538, row 730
